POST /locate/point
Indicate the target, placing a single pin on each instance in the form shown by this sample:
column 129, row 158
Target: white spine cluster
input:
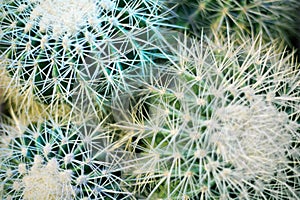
column 107, row 4
column 253, row 138
column 47, row 181
column 63, row 16
column 212, row 131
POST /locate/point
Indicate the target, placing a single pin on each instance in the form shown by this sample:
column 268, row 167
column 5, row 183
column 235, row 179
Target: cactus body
column 222, row 126
column 274, row 19
column 56, row 159
column 76, row 51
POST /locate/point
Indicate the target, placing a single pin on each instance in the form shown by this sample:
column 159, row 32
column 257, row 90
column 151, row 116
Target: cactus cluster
column 149, row 99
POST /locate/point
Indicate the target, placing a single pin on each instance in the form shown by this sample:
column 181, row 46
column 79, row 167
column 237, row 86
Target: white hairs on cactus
column 244, row 131
column 50, row 176
column 213, row 131
column 63, row 16
column 59, row 159
column 76, row 51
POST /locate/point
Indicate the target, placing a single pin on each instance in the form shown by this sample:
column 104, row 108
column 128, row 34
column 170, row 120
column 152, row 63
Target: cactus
column 22, row 101
column 59, row 159
column 105, row 103
column 274, row 19
column 75, row 52
column 223, row 123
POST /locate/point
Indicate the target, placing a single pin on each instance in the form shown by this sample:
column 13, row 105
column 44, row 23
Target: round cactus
column 222, row 124
column 76, row 51
column 274, row 19
column 57, row 159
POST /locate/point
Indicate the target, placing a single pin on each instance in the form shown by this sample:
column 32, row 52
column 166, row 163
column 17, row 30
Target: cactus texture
column 75, row 51
column 222, row 122
column 59, row 159
column 149, row 99
column 274, row 19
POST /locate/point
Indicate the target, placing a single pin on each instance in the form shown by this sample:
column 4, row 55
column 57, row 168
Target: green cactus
column 59, row 159
column 75, row 52
column 222, row 125
column 274, row 19
column 107, row 100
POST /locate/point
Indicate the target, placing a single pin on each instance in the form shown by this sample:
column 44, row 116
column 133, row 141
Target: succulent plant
column 274, row 19
column 59, row 159
column 106, row 102
column 75, row 52
column 222, row 123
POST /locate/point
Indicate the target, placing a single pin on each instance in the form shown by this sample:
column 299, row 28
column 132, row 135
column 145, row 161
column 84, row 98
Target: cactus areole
column 55, row 43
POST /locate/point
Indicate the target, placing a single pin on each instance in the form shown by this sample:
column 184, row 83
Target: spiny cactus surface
column 76, row 51
column 222, row 122
column 274, row 19
column 57, row 159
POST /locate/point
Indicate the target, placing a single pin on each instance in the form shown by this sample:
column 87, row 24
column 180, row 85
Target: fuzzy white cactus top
column 253, row 138
column 47, row 181
column 64, row 16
